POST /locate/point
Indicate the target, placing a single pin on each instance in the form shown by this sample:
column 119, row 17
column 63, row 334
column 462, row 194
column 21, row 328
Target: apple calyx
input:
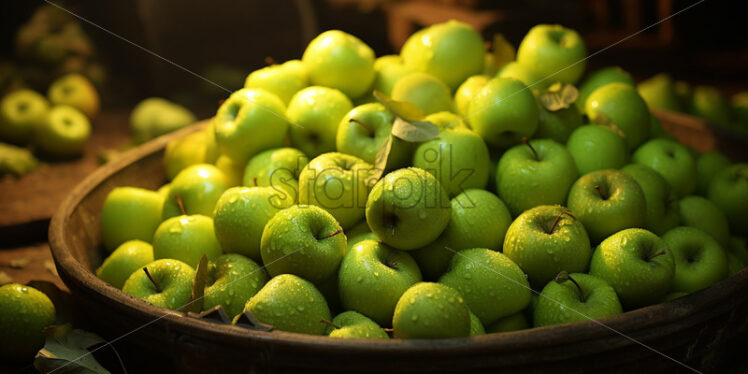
column 330, row 235
column 363, row 124
column 563, row 276
column 600, row 192
column 180, row 204
column 660, row 253
column 534, row 152
column 153, row 280
column 328, row 322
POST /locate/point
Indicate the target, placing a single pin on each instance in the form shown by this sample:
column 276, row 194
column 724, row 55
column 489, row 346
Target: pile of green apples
column 662, row 92
column 431, row 194
column 57, row 126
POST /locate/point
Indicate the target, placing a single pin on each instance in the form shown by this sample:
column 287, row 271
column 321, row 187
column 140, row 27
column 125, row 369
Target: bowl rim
column 622, row 326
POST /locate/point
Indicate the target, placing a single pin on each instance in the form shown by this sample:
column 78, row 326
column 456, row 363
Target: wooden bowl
column 697, row 330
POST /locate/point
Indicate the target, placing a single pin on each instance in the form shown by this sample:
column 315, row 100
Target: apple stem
column 153, row 280
column 555, row 222
column 269, row 60
column 255, row 181
column 660, row 253
column 364, row 125
column 327, row 322
column 564, row 276
column 180, row 204
column 388, row 329
column 581, row 294
column 600, row 191
column 527, row 142
column 330, row 235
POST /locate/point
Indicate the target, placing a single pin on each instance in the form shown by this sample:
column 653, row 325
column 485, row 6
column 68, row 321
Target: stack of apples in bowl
column 430, row 194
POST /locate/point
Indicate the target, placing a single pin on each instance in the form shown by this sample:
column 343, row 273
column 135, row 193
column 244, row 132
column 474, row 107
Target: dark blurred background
column 223, row 40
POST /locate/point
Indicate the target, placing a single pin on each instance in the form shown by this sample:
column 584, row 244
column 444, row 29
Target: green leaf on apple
column 198, row 286
column 605, row 121
column 383, row 155
column 5, row 278
column 67, row 347
column 403, row 109
column 415, row 131
column 559, row 96
column 503, row 51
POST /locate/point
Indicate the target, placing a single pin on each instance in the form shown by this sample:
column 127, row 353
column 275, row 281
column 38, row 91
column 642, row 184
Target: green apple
column 277, row 168
column 476, row 327
column 388, row 70
column 703, row 214
column 129, row 257
column 373, row 276
column 303, row 240
column 467, row 91
column 284, row 80
column 339, row 60
column 129, row 213
column 537, row 173
column 655, row 128
column 232, row 280
column 24, row 313
column 637, row 264
column 619, row 104
column 699, row 259
column 458, row 158
column 734, row 264
column 490, row 67
column 659, row 93
column 249, row 121
column 595, row 147
column 357, row 234
column 672, row 160
column 709, row 103
column 352, row 324
column 155, row 116
column 580, row 298
column 195, row 190
column 607, row 201
column 478, row 219
column 525, row 74
column 20, row 112
column 290, row 303
column 338, row 183
column 707, row 166
column 663, row 211
column 63, row 133
column 196, row 148
column 599, row 78
column 186, row 238
column 545, row 240
column 363, row 132
column 241, row 215
column 492, row 285
column 167, row 283
column 446, row 120
column 557, row 125
column 77, row 91
column 431, row 311
column 729, row 191
column 316, row 113
column 554, row 52
column 739, row 247
column 673, row 295
column 408, row 208
column 515, row 322
column 451, row 51
column 424, row 91
column 503, row 112
column 233, row 170
column 685, row 94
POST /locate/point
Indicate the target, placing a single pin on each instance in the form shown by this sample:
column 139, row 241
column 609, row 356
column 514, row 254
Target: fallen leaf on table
column 19, row 263
column 5, row 278
column 67, row 348
column 50, row 266
column 198, row 286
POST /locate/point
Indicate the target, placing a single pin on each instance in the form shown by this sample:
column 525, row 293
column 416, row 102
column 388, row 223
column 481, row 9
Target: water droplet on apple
column 359, row 279
column 414, row 318
column 467, row 276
